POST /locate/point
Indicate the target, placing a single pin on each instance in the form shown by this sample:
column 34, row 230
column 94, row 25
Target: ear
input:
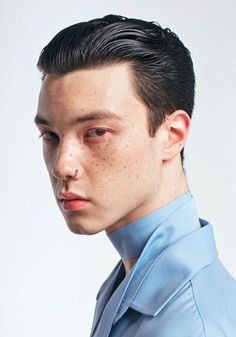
column 177, row 127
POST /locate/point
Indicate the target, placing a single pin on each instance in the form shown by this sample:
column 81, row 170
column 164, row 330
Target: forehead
column 100, row 89
column 101, row 83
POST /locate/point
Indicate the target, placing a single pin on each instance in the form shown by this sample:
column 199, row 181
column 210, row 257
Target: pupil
column 100, row 132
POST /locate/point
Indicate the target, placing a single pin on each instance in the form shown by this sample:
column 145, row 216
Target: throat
column 128, row 264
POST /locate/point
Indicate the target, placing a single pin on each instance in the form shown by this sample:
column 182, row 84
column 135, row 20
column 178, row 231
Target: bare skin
column 180, row 186
column 122, row 171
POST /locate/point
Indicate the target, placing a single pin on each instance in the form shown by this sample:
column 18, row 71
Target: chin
column 83, row 229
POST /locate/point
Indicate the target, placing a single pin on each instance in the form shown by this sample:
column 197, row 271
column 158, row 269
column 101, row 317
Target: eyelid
column 95, row 129
column 48, row 132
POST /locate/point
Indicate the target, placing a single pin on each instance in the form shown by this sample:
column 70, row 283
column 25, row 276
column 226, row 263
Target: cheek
column 120, row 165
column 49, row 158
column 49, row 161
column 45, row 155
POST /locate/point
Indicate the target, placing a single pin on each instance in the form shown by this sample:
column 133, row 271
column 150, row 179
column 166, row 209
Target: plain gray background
column 49, row 276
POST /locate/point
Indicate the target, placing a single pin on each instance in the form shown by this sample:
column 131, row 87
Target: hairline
column 133, row 78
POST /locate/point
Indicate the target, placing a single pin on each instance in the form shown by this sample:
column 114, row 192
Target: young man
column 114, row 114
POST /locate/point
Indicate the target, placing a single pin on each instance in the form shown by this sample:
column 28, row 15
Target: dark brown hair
column 161, row 65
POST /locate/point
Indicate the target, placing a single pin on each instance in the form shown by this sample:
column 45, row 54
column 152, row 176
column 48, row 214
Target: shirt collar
column 130, row 240
column 166, row 261
column 161, row 278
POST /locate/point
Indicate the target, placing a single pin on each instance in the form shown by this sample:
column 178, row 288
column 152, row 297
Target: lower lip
column 73, row 205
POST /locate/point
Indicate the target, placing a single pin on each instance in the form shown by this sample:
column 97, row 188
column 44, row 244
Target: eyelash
column 55, row 137
column 48, row 133
column 95, row 129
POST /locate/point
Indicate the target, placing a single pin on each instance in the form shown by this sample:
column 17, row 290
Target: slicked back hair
column 161, row 66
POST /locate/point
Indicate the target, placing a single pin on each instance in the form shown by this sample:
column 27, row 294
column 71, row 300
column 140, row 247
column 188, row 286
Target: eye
column 96, row 132
column 48, row 136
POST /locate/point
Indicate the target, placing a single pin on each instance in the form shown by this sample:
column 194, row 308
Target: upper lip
column 69, row 196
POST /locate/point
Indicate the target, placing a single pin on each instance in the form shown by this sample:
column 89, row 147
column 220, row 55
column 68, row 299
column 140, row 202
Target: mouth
column 73, row 205
column 71, row 201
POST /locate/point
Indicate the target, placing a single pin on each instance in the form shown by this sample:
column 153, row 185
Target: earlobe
column 177, row 125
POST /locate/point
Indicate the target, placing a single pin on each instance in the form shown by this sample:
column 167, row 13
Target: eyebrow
column 93, row 115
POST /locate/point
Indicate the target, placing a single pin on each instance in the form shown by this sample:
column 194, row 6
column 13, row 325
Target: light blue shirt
column 177, row 288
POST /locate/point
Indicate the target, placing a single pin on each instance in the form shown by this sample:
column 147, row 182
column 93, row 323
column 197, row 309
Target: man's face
column 94, row 124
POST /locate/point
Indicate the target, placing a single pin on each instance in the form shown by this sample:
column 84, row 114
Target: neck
column 172, row 184
column 177, row 185
column 128, row 264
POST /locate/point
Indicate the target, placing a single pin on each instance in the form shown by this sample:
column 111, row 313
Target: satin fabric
column 177, row 288
column 130, row 240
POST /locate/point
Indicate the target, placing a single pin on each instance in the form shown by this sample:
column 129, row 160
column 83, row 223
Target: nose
column 67, row 164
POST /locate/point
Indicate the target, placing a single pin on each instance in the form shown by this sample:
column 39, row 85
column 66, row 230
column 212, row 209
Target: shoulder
column 181, row 316
column 204, row 307
column 214, row 293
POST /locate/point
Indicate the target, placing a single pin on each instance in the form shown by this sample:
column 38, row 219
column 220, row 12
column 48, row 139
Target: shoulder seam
column 195, row 302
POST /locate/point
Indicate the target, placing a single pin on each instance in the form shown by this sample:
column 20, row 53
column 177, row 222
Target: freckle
column 124, row 167
column 97, row 164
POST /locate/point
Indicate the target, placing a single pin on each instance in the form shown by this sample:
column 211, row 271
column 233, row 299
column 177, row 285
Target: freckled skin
column 120, row 172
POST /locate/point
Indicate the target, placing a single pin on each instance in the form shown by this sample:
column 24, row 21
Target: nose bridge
column 67, row 158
